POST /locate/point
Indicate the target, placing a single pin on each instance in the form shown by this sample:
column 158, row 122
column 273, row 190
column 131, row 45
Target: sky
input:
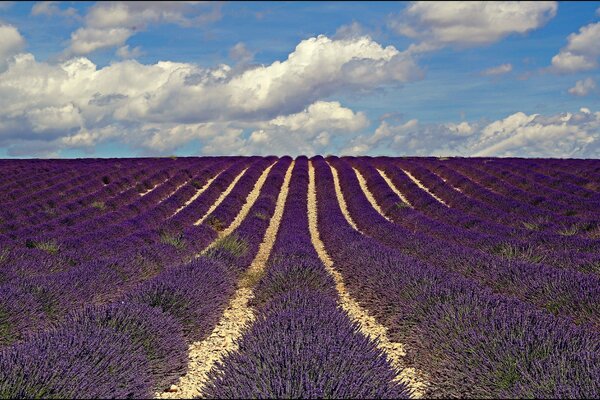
column 131, row 79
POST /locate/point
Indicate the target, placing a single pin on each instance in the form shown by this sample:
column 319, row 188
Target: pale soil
column 394, row 188
column 151, row 189
column 368, row 325
column 237, row 316
column 221, row 197
column 197, row 194
column 363, row 185
column 340, row 197
column 243, row 213
column 420, row 185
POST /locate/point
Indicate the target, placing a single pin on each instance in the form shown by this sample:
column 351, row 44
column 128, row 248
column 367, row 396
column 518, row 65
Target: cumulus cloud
column 125, row 53
column 51, row 8
column 517, row 135
column 466, row 24
column 352, row 30
column 498, row 70
column 317, row 68
column 581, row 53
column 583, row 87
column 307, row 132
column 241, row 54
column 11, row 42
column 110, row 24
column 161, row 107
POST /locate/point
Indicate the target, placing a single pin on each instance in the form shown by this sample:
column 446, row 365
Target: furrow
column 237, row 316
column 368, row 325
column 420, row 185
column 363, row 185
column 393, row 187
column 250, row 200
column 340, row 197
column 222, row 197
column 197, row 194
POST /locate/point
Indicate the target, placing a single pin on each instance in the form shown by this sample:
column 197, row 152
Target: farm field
column 267, row 277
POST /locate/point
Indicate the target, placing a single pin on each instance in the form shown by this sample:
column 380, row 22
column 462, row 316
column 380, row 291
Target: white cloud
column 498, row 70
column 88, row 40
column 125, row 53
column 465, row 24
column 352, row 30
column 517, row 135
column 51, row 8
column 581, row 53
column 317, row 68
column 110, row 24
column 11, row 42
column 583, row 87
column 241, row 54
column 307, row 132
column 161, row 107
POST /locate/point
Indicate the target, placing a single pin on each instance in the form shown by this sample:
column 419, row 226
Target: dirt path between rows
column 237, row 316
column 243, row 213
column 368, row 325
column 363, row 185
column 340, row 197
column 222, row 197
column 421, row 186
column 394, row 188
column 197, row 194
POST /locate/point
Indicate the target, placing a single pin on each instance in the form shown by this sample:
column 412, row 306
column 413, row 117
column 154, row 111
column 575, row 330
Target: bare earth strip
column 446, row 182
column 368, row 325
column 420, row 185
column 197, row 194
column 237, row 316
column 152, row 188
column 363, row 185
column 340, row 197
column 394, row 188
column 243, row 213
column 221, row 197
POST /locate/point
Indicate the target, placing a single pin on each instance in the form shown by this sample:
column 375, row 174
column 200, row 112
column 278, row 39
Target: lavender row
column 238, row 249
column 94, row 195
column 302, row 345
column 190, row 299
column 222, row 216
column 74, row 247
column 100, row 279
column 523, row 173
column 518, row 214
column 536, row 189
column 563, row 292
column 471, row 342
column 470, row 227
column 158, row 176
column 557, row 218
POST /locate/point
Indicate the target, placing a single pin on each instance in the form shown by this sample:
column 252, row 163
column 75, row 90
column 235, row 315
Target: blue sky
column 86, row 79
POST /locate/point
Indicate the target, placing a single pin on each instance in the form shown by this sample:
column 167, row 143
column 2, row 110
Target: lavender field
column 267, row 277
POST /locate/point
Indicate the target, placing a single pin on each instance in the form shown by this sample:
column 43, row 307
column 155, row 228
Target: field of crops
column 353, row 277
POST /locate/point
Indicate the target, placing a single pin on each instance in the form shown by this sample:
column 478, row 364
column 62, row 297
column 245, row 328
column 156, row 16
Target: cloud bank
column 517, row 135
column 160, row 107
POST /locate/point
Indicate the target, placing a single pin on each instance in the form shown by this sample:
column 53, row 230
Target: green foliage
column 231, row 244
column 261, row 215
column 99, row 205
column 215, row 223
column 569, row 231
column 174, row 239
column 49, row 246
column 514, row 251
column 401, row 204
